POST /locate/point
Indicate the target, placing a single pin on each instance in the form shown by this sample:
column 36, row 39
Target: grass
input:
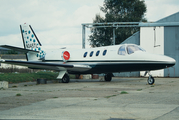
column 25, row 77
column 72, row 76
column 2, row 88
column 55, row 97
column 139, row 89
column 124, row 92
column 110, row 96
column 18, row 94
column 3, row 103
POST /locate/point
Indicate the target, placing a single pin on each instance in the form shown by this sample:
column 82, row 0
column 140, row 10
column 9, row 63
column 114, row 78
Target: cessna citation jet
column 107, row 59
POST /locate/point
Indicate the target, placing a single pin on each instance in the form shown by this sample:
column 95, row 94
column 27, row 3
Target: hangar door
column 152, row 40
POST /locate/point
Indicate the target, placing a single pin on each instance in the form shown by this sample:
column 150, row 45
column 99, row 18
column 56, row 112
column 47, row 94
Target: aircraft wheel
column 151, row 80
column 108, row 77
column 66, row 78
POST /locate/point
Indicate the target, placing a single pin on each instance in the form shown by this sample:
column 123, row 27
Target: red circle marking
column 66, row 55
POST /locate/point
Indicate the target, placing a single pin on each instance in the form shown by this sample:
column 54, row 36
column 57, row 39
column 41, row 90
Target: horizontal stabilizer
column 18, row 49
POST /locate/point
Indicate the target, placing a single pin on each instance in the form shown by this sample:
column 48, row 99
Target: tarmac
column 120, row 99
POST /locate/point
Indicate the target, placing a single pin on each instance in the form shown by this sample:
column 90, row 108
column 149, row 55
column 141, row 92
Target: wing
column 50, row 66
column 18, row 49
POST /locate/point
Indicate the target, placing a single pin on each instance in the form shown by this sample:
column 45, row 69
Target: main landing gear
column 108, row 77
column 150, row 79
column 63, row 77
column 66, row 78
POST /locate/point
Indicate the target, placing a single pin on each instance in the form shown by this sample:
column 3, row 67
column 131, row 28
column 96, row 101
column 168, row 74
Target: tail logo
column 31, row 41
column 32, row 45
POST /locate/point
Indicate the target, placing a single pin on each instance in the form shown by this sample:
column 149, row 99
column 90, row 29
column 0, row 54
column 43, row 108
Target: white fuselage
column 112, row 60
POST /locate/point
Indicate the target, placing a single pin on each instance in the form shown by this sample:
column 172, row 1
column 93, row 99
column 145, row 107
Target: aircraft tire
column 66, row 78
column 108, row 77
column 151, row 80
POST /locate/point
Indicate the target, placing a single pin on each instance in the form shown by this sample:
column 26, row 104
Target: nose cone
column 171, row 62
column 158, row 61
column 165, row 60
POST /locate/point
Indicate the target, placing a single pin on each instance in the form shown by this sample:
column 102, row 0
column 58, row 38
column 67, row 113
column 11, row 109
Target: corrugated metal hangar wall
column 171, row 48
column 166, row 37
column 171, row 44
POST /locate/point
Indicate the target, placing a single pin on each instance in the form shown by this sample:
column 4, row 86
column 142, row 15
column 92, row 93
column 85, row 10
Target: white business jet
column 107, row 59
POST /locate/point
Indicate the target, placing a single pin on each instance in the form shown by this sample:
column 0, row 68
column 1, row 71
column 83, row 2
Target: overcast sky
column 57, row 23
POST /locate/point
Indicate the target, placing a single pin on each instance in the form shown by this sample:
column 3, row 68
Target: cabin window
column 104, row 52
column 85, row 54
column 91, row 54
column 122, row 50
column 97, row 53
column 132, row 48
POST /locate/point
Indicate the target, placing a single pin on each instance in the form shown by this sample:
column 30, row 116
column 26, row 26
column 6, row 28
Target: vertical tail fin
column 31, row 42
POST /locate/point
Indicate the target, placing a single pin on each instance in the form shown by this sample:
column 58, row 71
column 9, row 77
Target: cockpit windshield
column 132, row 48
column 129, row 49
column 122, row 50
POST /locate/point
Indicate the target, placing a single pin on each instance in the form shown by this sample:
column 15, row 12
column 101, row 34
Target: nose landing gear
column 150, row 79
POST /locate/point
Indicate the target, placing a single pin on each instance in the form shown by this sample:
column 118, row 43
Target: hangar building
column 161, row 40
